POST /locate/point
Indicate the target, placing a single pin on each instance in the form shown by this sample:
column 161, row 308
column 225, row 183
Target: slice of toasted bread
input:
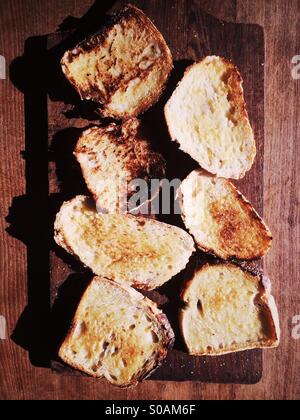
column 124, row 68
column 228, row 310
column 221, row 220
column 207, row 116
column 117, row 333
column 111, row 159
column 138, row 251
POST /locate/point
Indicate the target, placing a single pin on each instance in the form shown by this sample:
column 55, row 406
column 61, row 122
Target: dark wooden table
column 24, row 378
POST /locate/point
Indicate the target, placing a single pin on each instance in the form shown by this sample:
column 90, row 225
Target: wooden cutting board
column 191, row 34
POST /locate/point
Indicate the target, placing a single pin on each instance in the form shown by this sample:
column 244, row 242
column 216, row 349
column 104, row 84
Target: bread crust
column 264, row 300
column 151, row 309
column 228, row 232
column 130, row 14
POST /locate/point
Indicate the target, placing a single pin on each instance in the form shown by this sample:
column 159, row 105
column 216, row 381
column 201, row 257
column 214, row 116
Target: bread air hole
column 115, row 351
column 154, row 337
column 132, row 327
column 105, row 345
column 200, row 308
column 209, row 349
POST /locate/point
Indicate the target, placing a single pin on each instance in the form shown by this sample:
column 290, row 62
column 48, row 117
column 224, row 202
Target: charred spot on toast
column 230, row 224
column 114, row 159
column 128, row 52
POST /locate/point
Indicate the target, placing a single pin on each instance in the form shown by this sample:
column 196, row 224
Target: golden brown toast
column 117, row 333
column 124, row 68
column 111, row 159
column 228, row 310
column 207, row 115
column 133, row 250
column 221, row 220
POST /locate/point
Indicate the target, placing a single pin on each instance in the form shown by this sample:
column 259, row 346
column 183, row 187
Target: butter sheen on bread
column 207, row 116
column 117, row 333
column 228, row 309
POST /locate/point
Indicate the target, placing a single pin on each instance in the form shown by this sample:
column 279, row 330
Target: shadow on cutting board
column 35, row 75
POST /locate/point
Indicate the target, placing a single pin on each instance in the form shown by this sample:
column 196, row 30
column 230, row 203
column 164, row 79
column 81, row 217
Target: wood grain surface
column 24, row 239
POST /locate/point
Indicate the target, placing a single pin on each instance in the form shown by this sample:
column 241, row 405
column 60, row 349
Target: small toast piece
column 228, row 310
column 137, row 251
column 117, row 333
column 111, row 159
column 221, row 220
column 207, row 116
column 125, row 67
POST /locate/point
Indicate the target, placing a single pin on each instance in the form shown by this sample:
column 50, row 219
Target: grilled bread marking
column 137, row 251
column 118, row 334
column 207, row 115
column 111, row 159
column 228, row 310
column 124, row 68
column 221, row 220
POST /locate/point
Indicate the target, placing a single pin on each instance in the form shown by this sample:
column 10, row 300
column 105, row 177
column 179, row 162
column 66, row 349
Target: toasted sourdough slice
column 118, row 334
column 112, row 159
column 124, row 68
column 207, row 116
column 138, row 251
column 228, row 310
column 221, row 220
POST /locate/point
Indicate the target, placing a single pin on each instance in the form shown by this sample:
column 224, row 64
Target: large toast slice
column 133, row 250
column 207, row 116
column 221, row 220
column 124, row 68
column 117, row 333
column 228, row 310
column 111, row 159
